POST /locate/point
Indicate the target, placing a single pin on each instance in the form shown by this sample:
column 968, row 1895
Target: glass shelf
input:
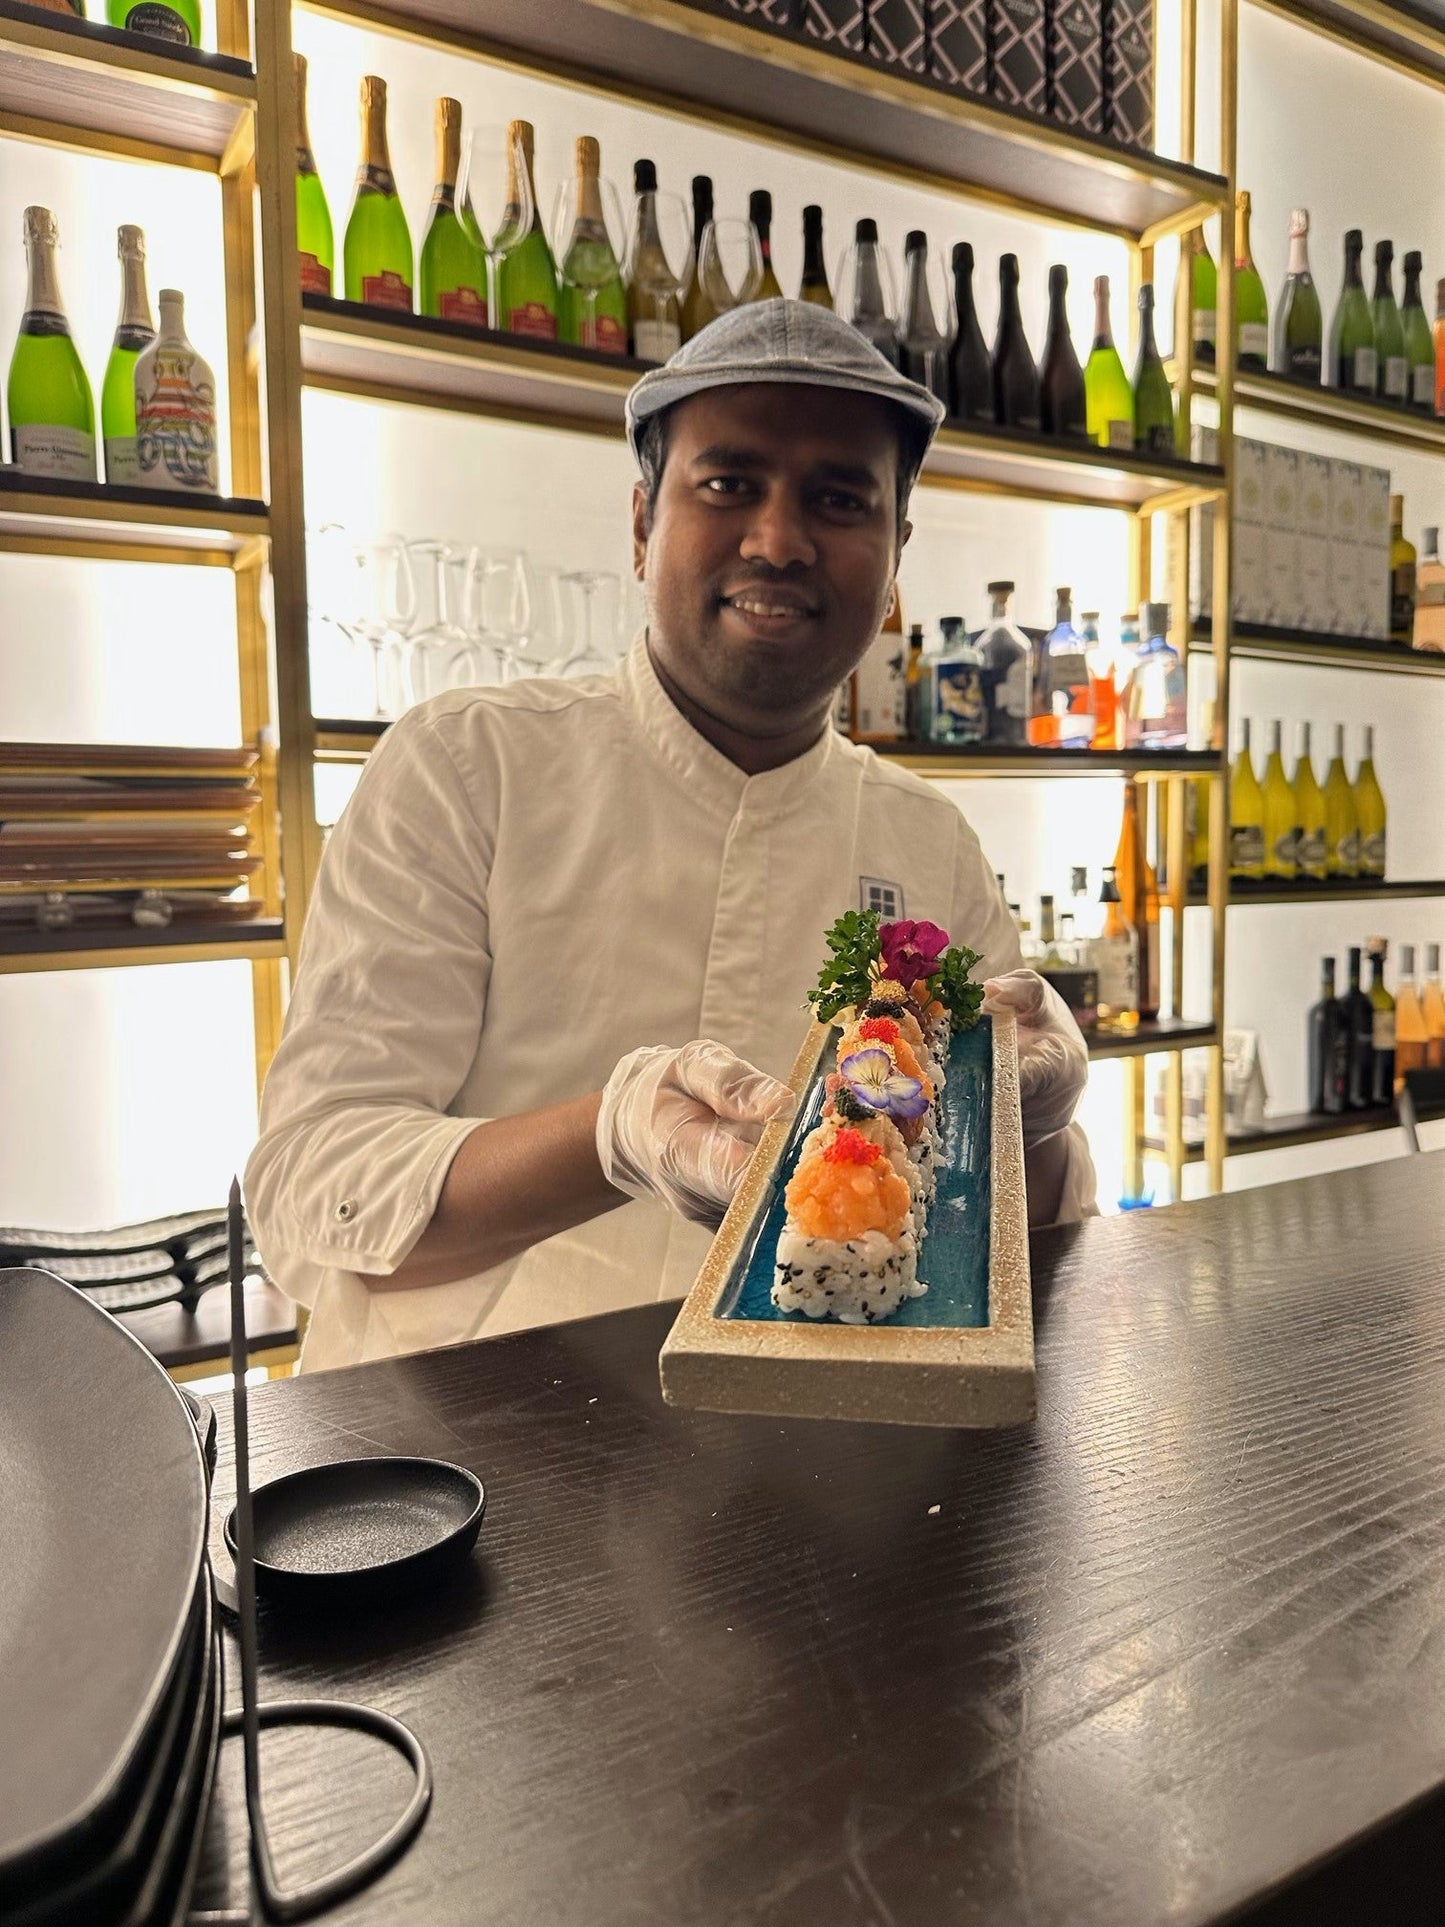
column 1257, row 643
column 1321, row 407
column 126, row 524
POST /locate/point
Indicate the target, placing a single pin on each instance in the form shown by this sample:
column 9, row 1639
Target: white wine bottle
column 1370, row 811
column 1280, row 825
column 1246, row 814
column 1342, row 825
column 175, row 409
column 1309, row 815
column 134, row 331
column 52, row 413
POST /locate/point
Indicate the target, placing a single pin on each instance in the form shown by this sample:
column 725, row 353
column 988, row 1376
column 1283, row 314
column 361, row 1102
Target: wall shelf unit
column 1293, row 1128
column 1328, row 408
column 1255, row 642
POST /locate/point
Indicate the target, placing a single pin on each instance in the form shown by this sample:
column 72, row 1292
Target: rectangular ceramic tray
column 962, row 1354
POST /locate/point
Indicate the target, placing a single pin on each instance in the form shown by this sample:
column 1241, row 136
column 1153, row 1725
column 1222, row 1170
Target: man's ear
column 639, row 531
column 904, row 534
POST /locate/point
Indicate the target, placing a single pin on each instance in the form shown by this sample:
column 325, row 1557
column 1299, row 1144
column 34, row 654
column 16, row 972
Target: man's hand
column 680, row 1125
column 1053, row 1063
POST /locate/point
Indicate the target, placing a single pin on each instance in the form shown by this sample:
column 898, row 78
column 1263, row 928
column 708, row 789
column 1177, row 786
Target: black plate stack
column 110, row 1688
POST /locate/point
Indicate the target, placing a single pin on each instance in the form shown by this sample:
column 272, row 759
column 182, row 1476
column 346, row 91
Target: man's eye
column 840, row 499
column 725, row 484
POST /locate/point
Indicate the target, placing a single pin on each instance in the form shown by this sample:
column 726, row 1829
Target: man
column 559, row 946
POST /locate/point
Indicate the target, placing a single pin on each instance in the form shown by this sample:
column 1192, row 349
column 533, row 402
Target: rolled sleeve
column 356, row 1135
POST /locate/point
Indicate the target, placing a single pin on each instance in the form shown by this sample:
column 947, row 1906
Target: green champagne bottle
column 592, row 303
column 52, row 415
column 1251, row 308
column 1299, row 325
column 1108, row 398
column 377, row 248
column 1204, row 296
column 315, row 245
column 453, row 267
column 1419, row 341
column 175, row 21
column 1392, row 367
column 526, row 274
column 1153, row 400
column 1352, row 332
column 134, row 331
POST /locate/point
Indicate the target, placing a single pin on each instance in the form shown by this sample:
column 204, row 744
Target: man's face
column 770, row 562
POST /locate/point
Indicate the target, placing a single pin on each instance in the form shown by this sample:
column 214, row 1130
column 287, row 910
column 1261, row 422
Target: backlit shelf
column 1408, row 38
column 715, row 69
column 71, row 80
column 33, row 950
column 127, row 524
column 1244, row 895
column 1294, row 1128
column 1320, row 407
column 1158, row 1034
column 1257, row 643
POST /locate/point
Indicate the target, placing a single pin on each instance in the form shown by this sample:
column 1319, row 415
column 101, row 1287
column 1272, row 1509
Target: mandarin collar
column 709, row 774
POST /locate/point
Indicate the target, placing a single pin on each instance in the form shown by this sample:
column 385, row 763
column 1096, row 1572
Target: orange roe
column 879, row 1030
column 839, row 1199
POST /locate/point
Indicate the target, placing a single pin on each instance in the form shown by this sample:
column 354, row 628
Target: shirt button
column 346, row 1209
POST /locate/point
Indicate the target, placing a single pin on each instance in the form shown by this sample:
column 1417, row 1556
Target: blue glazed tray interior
column 954, row 1259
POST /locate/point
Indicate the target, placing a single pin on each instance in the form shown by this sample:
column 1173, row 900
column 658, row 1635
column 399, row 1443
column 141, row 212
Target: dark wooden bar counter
column 1153, row 1659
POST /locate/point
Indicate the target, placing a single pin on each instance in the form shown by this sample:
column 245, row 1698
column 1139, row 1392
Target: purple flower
column 911, row 950
column 878, row 1084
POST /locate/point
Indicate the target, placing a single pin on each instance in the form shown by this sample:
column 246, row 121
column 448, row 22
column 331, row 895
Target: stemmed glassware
column 659, row 268
column 494, row 200
column 597, row 601
column 387, row 611
column 730, row 263
column 586, row 257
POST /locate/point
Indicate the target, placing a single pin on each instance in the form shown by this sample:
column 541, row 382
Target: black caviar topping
column 846, row 1105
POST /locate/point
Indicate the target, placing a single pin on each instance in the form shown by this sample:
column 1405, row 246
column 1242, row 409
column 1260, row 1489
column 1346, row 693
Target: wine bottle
column 1370, row 815
column 1109, row 398
column 52, row 414
column 922, row 344
column 760, row 213
column 175, row 408
column 1246, row 814
column 1360, row 1039
column 1204, row 296
column 1412, row 1038
column 177, row 22
column 1251, row 306
column 1352, row 333
column 1299, row 325
column 1329, row 1047
column 1063, row 404
column 1281, row 828
column 870, row 314
column 592, row 302
column 1439, row 337
column 970, row 377
column 526, row 284
column 376, row 250
column 1116, row 959
column 1382, row 1028
column 1403, row 561
column 1432, row 1005
column 654, row 323
column 1392, row 365
column 1134, row 876
column 315, row 245
column 1153, row 400
column 697, row 306
column 1342, row 828
column 1015, row 376
column 1419, row 346
column 453, row 268
column 133, row 332
column 1007, row 670
column 1309, row 815
column 814, row 285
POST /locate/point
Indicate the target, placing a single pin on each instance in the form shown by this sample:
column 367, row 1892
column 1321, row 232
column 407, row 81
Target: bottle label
column 609, row 337
column 1347, row 854
column 1310, row 852
column 1011, row 693
column 1254, row 339
column 386, row 290
column 656, row 340
column 175, row 421
column 59, row 453
column 463, row 304
column 960, row 713
column 1397, row 377
column 1158, row 439
column 315, row 279
column 122, row 464
column 1246, row 846
column 1372, row 854
column 1365, row 368
column 1286, row 850
column 1118, row 966
column 1422, row 385
column 1303, row 364
column 1204, row 326
column 532, row 318
column 158, row 23
column 1121, row 435
column 1383, row 1030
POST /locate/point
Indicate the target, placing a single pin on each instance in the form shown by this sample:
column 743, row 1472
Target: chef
column 555, row 964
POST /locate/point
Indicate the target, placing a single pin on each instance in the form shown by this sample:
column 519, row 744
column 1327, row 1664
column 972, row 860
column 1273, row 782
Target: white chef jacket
column 529, row 882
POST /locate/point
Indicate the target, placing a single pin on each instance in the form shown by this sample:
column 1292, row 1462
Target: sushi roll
column 842, row 1112
column 848, row 1250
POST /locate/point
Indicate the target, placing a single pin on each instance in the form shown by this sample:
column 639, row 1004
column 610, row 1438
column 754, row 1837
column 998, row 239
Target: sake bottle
column 315, row 244
column 453, row 269
column 52, row 413
column 134, row 331
column 175, row 409
column 377, row 248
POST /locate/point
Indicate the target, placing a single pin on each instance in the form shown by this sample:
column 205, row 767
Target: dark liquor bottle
column 922, row 344
column 1382, row 1060
column 1015, row 377
column 1352, row 333
column 970, row 379
column 1360, row 1033
column 1153, row 400
column 1329, row 1047
column 1063, row 407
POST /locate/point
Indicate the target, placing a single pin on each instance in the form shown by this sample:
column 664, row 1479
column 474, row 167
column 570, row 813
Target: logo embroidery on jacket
column 885, row 898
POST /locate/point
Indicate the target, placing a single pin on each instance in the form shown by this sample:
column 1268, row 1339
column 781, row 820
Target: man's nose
column 777, row 532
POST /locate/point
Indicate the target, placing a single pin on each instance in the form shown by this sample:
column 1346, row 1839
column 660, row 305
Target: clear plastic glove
column 680, row 1125
column 1053, row 1062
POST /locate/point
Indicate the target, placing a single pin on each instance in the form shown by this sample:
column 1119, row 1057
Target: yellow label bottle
column 1370, row 812
column 1280, row 826
column 1246, row 814
column 1342, row 827
column 1310, row 848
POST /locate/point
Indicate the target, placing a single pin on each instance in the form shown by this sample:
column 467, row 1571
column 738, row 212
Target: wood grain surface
column 1151, row 1659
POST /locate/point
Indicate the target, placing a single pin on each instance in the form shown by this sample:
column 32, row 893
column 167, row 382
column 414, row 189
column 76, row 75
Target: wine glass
column 596, row 592
column 730, row 263
column 436, row 637
column 867, row 294
column 586, row 257
column 388, row 608
column 494, row 199
column 331, row 612
column 658, row 270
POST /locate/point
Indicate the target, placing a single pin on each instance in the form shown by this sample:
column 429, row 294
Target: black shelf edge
column 466, row 333
column 15, row 942
column 1158, row 1034
column 1294, row 1128
column 1365, row 890
column 1321, row 648
column 200, row 60
column 90, row 494
column 1033, row 759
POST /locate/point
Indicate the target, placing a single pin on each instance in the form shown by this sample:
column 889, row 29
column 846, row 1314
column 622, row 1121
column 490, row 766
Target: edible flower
column 851, row 1147
column 911, row 950
column 876, row 1082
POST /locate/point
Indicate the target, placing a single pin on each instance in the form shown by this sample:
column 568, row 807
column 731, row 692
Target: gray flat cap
column 789, row 342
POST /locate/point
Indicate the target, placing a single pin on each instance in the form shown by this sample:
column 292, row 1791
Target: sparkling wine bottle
column 760, row 213
column 1352, row 332
column 176, row 21
column 1109, row 398
column 1251, row 307
column 1299, row 326
column 134, row 331
column 1392, row 366
column 175, row 409
column 814, row 286
column 697, row 305
column 526, row 274
column 970, row 378
column 653, row 321
column 922, row 344
column 1064, row 408
column 315, row 244
column 1419, row 344
column 592, row 302
column 1204, row 296
column 1015, row 376
column 52, row 414
column 1153, row 400
column 453, row 269
column 377, row 248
